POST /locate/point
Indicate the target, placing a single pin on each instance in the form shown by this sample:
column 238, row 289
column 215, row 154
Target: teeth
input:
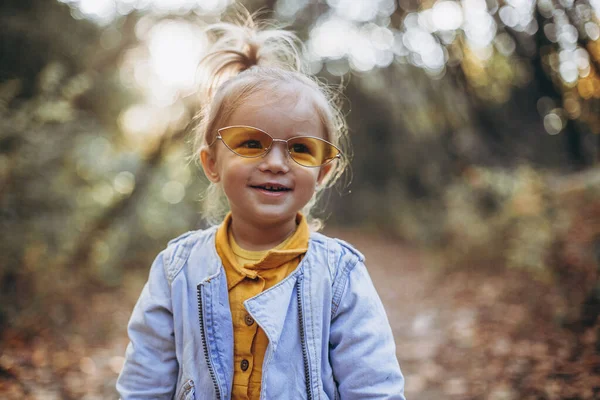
column 273, row 188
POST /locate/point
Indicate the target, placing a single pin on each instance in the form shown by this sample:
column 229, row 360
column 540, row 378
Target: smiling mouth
column 272, row 188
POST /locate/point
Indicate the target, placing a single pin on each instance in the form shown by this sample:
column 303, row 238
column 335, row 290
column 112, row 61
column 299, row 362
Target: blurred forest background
column 474, row 190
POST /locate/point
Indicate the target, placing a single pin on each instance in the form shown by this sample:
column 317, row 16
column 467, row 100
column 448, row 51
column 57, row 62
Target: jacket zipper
column 303, row 340
column 187, row 387
column 205, row 345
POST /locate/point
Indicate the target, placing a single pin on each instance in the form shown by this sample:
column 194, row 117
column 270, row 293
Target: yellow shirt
column 248, row 274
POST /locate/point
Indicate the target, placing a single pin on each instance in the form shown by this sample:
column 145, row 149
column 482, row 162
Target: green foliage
column 457, row 157
column 79, row 205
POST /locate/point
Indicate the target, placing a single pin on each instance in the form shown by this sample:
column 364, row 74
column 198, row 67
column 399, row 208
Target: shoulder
column 334, row 246
column 339, row 255
column 179, row 249
column 342, row 258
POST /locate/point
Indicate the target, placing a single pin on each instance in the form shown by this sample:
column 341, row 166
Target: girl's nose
column 277, row 159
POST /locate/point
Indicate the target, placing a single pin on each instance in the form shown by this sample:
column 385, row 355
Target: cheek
column 309, row 182
column 228, row 164
column 235, row 172
column 231, row 176
column 233, row 186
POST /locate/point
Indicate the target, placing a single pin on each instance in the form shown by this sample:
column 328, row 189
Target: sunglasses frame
column 219, row 137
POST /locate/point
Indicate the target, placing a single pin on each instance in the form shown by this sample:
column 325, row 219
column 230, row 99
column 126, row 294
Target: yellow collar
column 292, row 247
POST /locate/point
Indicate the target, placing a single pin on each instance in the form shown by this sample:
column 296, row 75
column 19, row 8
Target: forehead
column 284, row 112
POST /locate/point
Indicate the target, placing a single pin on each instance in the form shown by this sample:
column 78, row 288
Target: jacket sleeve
column 362, row 348
column 151, row 368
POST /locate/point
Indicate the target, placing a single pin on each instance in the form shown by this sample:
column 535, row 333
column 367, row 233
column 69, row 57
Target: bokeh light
column 176, row 48
column 105, row 11
column 474, row 125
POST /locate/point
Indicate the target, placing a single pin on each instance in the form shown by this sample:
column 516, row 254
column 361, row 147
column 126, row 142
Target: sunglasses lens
column 246, row 141
column 311, row 152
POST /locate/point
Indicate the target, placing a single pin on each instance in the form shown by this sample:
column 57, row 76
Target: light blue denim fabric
column 329, row 337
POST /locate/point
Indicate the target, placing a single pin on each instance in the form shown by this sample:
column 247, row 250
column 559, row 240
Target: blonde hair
column 247, row 58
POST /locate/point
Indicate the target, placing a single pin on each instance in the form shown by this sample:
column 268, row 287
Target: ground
column 467, row 334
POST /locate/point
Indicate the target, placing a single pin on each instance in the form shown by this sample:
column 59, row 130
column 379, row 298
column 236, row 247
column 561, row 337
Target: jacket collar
column 204, row 267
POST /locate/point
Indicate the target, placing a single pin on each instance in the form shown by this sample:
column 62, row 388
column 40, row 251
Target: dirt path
column 418, row 319
column 443, row 348
column 85, row 363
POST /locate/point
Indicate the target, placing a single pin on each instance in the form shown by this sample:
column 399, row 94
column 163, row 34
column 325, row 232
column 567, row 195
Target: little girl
column 259, row 306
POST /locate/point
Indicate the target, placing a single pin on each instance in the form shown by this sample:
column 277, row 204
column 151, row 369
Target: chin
column 272, row 217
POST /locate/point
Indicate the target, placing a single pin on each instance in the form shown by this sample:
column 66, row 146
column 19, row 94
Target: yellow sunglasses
column 250, row 142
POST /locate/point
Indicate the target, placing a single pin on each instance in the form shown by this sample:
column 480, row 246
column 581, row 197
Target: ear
column 209, row 165
column 323, row 172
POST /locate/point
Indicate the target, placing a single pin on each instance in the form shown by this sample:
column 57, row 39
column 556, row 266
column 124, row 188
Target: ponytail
column 237, row 48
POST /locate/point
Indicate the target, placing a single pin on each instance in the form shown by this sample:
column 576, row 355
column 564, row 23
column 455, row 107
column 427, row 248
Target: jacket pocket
column 186, row 391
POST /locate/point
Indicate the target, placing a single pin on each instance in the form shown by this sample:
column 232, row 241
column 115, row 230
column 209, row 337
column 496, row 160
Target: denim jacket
column 329, row 337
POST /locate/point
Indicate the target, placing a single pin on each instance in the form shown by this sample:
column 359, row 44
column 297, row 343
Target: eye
column 251, row 144
column 300, row 148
